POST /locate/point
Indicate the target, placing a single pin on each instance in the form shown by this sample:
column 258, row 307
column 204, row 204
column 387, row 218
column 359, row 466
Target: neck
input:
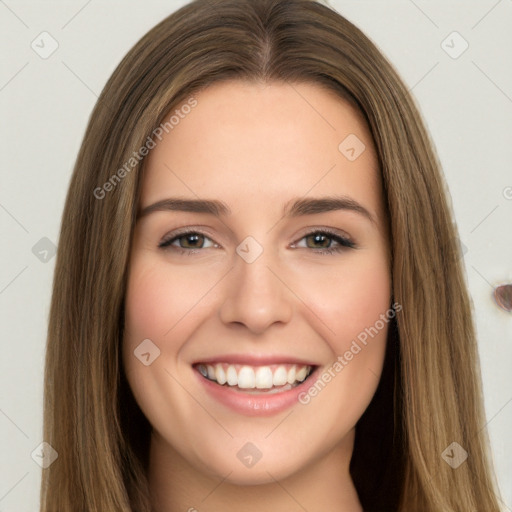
column 325, row 484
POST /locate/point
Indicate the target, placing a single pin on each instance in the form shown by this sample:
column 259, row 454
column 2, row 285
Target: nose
column 257, row 294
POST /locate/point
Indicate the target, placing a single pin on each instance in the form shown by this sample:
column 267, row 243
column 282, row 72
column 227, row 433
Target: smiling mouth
column 274, row 378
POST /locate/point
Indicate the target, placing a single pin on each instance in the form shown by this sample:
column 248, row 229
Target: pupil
column 318, row 238
column 191, row 238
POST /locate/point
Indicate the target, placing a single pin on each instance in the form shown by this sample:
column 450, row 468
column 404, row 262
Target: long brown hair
column 430, row 392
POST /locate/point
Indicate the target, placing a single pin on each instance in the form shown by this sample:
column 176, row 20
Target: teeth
column 280, row 376
column 291, row 375
column 264, row 378
column 261, row 377
column 231, row 376
column 246, row 378
column 220, row 376
column 301, row 374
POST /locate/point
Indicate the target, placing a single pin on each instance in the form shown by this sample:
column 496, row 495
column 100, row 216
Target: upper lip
column 255, row 360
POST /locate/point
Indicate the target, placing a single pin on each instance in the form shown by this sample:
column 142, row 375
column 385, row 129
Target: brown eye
column 322, row 241
column 189, row 240
column 326, row 242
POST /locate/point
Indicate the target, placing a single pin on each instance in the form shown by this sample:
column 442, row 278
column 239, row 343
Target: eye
column 187, row 242
column 323, row 240
column 190, row 242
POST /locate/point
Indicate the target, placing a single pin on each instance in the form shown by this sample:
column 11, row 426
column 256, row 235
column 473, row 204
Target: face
column 256, row 325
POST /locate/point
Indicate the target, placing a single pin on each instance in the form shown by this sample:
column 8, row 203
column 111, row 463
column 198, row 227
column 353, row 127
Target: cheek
column 353, row 306
column 151, row 311
column 158, row 307
column 350, row 299
column 162, row 305
column 159, row 303
column 148, row 308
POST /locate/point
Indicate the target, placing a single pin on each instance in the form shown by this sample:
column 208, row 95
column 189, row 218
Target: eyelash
column 344, row 243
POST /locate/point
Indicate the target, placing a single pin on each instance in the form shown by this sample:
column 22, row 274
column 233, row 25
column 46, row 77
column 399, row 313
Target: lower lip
column 253, row 404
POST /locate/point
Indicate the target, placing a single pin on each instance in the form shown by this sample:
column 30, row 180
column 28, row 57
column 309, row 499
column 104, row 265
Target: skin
column 256, row 147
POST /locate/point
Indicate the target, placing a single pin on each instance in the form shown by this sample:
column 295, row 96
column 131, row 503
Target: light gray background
column 45, row 105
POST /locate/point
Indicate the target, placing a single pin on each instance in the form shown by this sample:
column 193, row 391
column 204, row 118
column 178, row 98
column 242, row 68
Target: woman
column 254, row 368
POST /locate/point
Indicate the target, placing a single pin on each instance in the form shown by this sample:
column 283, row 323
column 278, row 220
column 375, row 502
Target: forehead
column 262, row 143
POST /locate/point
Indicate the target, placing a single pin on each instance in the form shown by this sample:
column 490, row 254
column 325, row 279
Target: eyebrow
column 294, row 208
